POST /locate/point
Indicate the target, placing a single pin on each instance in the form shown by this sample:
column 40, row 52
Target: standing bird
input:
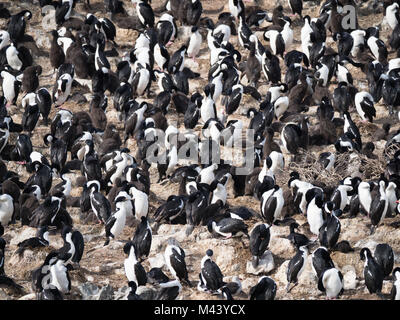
column 233, row 101
column 253, row 65
column 41, row 276
column 244, row 32
column 133, row 269
column 174, row 256
column 116, row 222
column 30, row 78
column 272, row 202
column 60, row 276
column 100, row 205
column 30, row 118
column 365, row 106
column 364, row 195
column 351, row 128
column 373, row 273
column 63, row 11
column 321, row 261
column 342, row 98
column 210, row 275
column 101, row 62
column 270, row 67
column 296, row 266
column 208, row 109
column 145, row 13
column 314, row 214
column 379, row 207
column 161, row 56
column 177, row 60
column 43, row 100
column 276, row 41
column 297, row 7
column 392, row 15
column 142, row 238
column 384, row 257
column 58, row 151
column 79, row 243
column 11, row 87
column 17, row 25
column 195, row 42
column 330, row 230
column 57, row 55
column 236, row 7
column 331, row 282
column 4, row 135
column 340, row 198
column 62, row 89
column 166, row 28
column 140, row 203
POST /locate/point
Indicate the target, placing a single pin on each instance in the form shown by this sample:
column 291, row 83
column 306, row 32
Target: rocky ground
column 101, row 273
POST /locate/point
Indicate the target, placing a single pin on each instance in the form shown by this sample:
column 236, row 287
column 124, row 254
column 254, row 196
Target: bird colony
column 198, row 149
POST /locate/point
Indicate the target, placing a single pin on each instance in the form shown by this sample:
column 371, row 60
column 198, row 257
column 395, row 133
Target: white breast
column 143, row 81
column 59, row 277
column 119, row 224
column 194, row 44
column 207, row 109
column 314, row 217
column 159, row 59
column 12, row 58
column 332, row 283
column 8, row 86
column 219, row 194
column 373, row 46
column 129, row 266
column 364, row 196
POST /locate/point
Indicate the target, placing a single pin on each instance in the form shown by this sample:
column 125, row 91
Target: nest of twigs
column 346, row 164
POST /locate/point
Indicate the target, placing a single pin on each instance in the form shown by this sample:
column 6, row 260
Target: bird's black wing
column 141, row 275
column 169, row 293
column 61, row 11
column 178, row 264
column 368, row 107
column 175, row 60
column 393, row 292
column 256, row 290
column 79, row 243
column 321, row 283
column 294, row 266
column 270, row 206
column 213, row 275
column 109, row 224
column 63, row 253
